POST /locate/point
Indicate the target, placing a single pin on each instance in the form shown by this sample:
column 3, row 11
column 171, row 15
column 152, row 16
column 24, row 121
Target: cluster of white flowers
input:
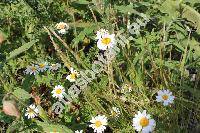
column 142, row 122
column 59, row 90
column 41, row 67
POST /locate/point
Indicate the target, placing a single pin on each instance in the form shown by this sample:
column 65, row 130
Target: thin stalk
column 60, row 53
column 184, row 57
column 69, row 49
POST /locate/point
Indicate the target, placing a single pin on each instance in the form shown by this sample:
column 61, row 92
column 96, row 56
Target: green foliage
column 21, row 49
column 193, row 16
column 46, row 127
column 165, row 55
column 21, row 94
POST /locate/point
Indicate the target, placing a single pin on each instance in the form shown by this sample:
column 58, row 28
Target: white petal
column 165, row 103
column 101, row 46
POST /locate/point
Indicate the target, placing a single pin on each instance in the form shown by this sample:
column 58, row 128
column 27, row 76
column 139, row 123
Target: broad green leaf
column 79, row 38
column 2, row 57
column 47, row 127
column 125, row 9
column 191, row 15
column 5, row 118
column 21, row 94
column 104, row 81
column 84, row 2
column 27, row 82
column 15, row 126
column 195, row 92
column 42, row 113
column 21, row 49
column 192, row 2
column 138, row 79
column 171, row 8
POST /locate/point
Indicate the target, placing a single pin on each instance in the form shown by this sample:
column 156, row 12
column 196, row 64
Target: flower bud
column 10, row 108
column 1, row 38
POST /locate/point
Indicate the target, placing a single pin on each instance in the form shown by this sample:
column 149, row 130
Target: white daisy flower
column 31, row 70
column 100, row 33
column 58, row 91
column 106, row 41
column 32, row 111
column 42, row 66
column 143, row 122
column 165, row 96
column 72, row 77
column 81, row 131
column 99, row 123
column 62, row 27
column 115, row 112
column 54, row 67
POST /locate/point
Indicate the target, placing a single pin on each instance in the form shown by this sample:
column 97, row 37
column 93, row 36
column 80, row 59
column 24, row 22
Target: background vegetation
column 165, row 54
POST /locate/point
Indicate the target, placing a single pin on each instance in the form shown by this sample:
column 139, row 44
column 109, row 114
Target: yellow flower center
column 33, row 68
column 30, row 111
column 58, row 91
column 114, row 113
column 42, row 65
column 61, row 26
column 106, row 41
column 165, row 97
column 98, row 123
column 144, row 122
column 73, row 75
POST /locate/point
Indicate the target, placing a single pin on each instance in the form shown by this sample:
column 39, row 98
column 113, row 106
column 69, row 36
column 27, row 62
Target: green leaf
column 5, row 118
column 171, row 8
column 47, row 127
column 125, row 9
column 14, row 126
column 104, row 81
column 27, row 82
column 42, row 113
column 89, row 30
column 83, row 2
column 21, row 94
column 21, row 49
column 192, row 90
column 191, row 15
column 79, row 38
column 192, row 2
column 138, row 79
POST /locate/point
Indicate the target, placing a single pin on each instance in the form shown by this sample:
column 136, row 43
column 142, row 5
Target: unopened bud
column 10, row 108
column 1, row 38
